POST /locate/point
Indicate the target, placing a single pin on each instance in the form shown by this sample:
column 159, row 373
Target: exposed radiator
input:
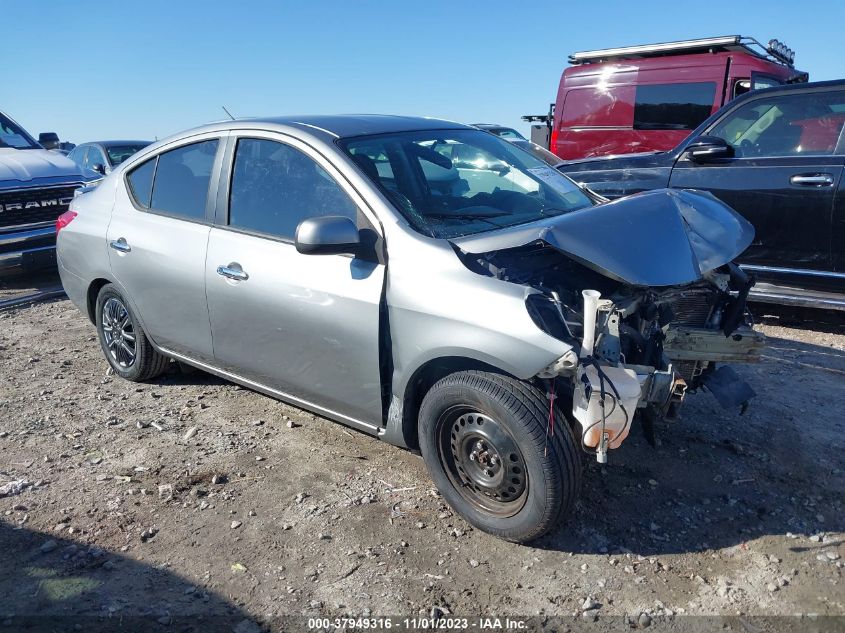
column 693, row 308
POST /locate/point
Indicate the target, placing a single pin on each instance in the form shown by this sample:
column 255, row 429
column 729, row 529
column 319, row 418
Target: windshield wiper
column 467, row 212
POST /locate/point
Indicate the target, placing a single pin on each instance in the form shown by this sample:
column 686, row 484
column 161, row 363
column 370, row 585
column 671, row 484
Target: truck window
column 673, row 106
column 757, row 82
column 592, row 107
column 796, row 125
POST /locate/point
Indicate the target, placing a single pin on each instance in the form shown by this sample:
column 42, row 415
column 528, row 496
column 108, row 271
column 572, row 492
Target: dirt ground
column 194, row 497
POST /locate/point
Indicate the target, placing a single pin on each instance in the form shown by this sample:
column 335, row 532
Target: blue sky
column 96, row 70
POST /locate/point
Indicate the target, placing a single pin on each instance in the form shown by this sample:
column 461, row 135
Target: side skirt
column 360, row 425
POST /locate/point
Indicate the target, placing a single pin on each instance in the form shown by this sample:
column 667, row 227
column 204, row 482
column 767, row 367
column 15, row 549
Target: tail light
column 553, row 139
column 64, row 219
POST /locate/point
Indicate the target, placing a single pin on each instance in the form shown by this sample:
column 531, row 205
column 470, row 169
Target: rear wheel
column 483, row 438
column 125, row 345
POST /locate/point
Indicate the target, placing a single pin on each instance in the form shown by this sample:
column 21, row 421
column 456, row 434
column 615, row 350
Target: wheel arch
column 91, row 301
column 91, row 297
column 402, row 428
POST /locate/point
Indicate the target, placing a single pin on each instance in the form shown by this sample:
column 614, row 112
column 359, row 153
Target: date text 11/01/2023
column 418, row 623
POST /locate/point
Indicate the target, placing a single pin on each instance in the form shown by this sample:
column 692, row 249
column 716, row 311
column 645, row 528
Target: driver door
column 304, row 326
column 782, row 178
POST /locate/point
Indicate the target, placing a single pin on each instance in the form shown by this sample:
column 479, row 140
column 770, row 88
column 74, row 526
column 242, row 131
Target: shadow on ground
column 49, row 583
column 15, row 283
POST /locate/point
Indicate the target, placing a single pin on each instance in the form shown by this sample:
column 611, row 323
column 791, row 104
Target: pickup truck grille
column 31, row 206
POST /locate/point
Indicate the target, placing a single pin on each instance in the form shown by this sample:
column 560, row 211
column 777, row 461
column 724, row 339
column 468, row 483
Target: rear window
column 176, row 182
column 673, row 106
column 141, row 182
column 592, row 107
column 119, row 153
column 181, row 180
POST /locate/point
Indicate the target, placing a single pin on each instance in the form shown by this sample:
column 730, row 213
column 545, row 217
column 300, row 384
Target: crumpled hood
column 665, row 237
column 29, row 164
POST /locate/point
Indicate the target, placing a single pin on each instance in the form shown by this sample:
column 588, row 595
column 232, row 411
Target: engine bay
column 644, row 346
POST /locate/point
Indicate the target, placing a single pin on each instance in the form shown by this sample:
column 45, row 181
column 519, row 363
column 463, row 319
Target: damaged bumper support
column 607, row 395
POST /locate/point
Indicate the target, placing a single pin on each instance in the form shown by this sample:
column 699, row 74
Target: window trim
column 213, row 182
column 221, row 219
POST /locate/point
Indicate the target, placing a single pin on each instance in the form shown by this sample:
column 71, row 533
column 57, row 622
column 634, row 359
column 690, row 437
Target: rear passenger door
column 304, row 326
column 782, row 178
column 157, row 241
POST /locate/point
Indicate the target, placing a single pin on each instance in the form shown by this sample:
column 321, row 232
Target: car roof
column 492, row 126
column 349, row 125
column 113, row 143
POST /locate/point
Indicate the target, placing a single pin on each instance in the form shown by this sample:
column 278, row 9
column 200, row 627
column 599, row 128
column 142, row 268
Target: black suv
column 776, row 156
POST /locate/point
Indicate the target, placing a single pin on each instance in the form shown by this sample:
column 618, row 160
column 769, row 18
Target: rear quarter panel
column 81, row 247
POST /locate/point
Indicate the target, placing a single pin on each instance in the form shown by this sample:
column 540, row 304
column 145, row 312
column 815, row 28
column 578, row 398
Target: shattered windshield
column 450, row 183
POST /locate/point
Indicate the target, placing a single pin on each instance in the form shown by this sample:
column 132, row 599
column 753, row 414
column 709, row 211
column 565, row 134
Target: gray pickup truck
column 36, row 186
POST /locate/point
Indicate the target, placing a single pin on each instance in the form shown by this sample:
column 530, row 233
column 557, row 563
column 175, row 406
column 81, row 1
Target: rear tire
column 483, row 438
column 124, row 343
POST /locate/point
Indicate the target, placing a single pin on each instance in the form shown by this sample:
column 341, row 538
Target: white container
column 591, row 306
column 618, row 418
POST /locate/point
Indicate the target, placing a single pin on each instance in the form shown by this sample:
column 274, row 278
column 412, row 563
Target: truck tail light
column 64, row 219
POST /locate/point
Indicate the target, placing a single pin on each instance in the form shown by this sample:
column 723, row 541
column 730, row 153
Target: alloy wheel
column 119, row 332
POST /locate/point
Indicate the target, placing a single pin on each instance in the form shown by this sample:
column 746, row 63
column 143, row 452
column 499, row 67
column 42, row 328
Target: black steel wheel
column 483, row 438
column 483, row 461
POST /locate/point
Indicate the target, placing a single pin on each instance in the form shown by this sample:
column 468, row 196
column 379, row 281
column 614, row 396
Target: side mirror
column 327, row 235
column 99, row 168
column 705, row 148
column 48, row 140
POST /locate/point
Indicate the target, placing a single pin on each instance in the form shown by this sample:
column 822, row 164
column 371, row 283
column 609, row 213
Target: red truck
column 649, row 98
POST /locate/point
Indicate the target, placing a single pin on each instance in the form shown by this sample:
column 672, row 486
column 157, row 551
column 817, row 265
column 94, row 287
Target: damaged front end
column 645, row 292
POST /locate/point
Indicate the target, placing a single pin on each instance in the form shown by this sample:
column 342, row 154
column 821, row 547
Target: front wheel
column 484, row 439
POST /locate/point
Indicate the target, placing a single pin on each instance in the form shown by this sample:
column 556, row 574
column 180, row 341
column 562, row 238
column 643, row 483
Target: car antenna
column 227, row 112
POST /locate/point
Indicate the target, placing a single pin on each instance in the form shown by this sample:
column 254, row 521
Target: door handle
column 232, row 273
column 812, row 180
column 120, row 245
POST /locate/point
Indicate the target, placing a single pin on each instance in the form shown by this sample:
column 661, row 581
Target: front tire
column 483, row 437
column 124, row 343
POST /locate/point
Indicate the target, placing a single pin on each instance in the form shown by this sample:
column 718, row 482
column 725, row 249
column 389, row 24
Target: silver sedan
column 422, row 281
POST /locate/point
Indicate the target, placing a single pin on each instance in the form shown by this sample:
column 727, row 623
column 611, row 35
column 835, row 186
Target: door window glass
column 673, row 106
column 275, row 187
column 795, row 125
column 182, row 178
column 141, row 182
column 94, row 157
